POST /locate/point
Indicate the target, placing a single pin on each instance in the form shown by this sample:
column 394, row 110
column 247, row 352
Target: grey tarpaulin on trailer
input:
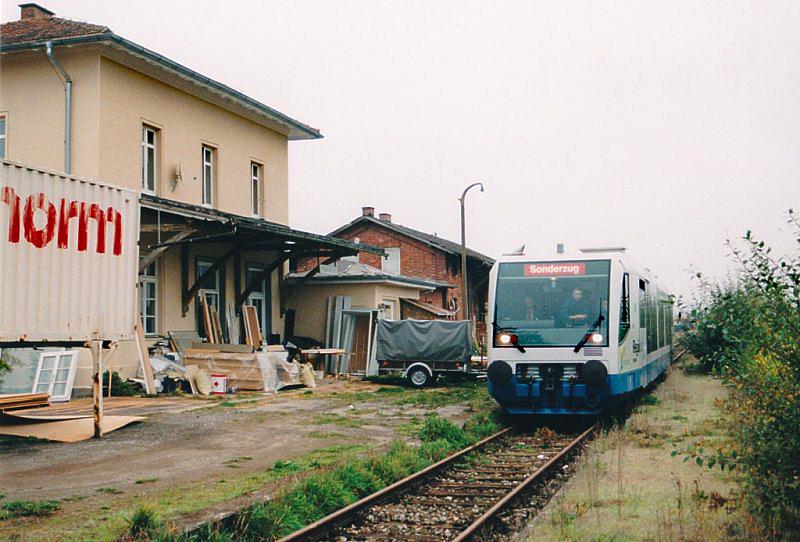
column 424, row 340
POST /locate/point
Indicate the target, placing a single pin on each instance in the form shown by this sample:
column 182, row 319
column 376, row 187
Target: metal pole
column 464, row 284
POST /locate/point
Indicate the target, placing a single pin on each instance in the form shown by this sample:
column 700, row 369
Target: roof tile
column 42, row 29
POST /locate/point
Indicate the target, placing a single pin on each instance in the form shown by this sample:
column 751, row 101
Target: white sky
column 665, row 127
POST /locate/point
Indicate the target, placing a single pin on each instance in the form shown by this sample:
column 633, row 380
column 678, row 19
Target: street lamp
column 464, row 289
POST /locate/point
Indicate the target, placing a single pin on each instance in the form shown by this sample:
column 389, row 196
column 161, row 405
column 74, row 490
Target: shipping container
column 68, row 258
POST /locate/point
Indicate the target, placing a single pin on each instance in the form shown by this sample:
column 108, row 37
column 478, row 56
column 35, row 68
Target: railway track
column 455, row 499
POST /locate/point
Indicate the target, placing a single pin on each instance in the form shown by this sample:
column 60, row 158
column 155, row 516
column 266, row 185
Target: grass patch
column 146, row 481
column 331, row 418
column 344, row 481
column 143, row 524
column 16, row 509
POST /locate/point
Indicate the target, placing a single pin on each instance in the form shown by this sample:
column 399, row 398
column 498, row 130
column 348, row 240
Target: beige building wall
column 110, row 104
column 129, row 99
column 310, row 302
column 32, row 98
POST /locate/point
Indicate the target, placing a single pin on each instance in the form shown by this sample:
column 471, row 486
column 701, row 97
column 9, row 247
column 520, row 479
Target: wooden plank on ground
column 222, row 347
column 144, row 360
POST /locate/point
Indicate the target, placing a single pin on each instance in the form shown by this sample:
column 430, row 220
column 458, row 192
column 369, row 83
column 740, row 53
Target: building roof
column 428, row 307
column 34, row 32
column 429, row 239
column 254, row 226
column 354, row 272
column 42, row 29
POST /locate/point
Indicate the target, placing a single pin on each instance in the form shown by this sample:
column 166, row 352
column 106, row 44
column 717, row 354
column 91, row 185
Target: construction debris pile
column 219, row 366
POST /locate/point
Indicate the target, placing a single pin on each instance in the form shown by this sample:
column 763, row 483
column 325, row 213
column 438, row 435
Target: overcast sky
column 665, row 127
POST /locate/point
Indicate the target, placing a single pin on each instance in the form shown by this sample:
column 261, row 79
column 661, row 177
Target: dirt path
column 629, row 486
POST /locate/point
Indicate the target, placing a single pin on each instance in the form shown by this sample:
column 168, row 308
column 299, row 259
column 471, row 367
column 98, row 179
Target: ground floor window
column 260, row 298
column 211, row 290
column 148, row 299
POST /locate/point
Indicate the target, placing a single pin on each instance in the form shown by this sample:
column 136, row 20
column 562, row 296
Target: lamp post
column 464, row 288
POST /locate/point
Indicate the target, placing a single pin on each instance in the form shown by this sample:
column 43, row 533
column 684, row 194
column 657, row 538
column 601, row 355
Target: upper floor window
column 256, row 187
column 149, row 142
column 2, row 137
column 391, row 264
column 209, row 159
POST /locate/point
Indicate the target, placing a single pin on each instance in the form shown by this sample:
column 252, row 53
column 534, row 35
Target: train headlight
column 506, row 339
column 597, row 338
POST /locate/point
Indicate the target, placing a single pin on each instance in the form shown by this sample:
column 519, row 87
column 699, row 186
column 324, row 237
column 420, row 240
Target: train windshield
column 552, row 303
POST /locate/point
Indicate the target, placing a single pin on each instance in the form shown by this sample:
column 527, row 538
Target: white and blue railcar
column 571, row 334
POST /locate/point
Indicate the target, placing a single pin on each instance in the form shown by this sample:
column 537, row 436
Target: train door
column 641, row 350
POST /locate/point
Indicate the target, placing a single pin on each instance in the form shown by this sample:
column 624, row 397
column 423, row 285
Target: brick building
column 414, row 253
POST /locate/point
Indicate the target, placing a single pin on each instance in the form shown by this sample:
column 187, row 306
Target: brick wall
column 416, row 260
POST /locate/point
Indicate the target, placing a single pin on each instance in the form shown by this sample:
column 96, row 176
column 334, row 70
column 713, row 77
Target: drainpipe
column 67, row 107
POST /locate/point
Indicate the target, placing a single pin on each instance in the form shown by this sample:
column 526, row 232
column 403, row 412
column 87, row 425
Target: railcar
column 572, row 334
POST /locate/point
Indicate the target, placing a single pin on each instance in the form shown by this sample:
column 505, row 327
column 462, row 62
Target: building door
column 358, row 361
column 260, row 299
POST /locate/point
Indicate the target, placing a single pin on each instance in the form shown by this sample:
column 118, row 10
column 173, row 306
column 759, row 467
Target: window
column 549, row 304
column 148, row 300
column 260, row 299
column 391, row 264
column 211, row 291
column 2, row 137
column 208, row 174
column 255, row 187
column 625, row 309
column 55, row 374
column 149, row 168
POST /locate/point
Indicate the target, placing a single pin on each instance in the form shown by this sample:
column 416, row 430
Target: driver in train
column 576, row 309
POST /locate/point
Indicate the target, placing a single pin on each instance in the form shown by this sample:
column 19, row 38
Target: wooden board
column 252, row 326
column 144, row 360
column 222, row 347
column 207, row 326
column 74, row 430
column 182, row 339
column 216, row 325
column 23, row 400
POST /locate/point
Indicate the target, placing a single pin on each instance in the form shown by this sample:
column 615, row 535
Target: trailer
column 421, row 350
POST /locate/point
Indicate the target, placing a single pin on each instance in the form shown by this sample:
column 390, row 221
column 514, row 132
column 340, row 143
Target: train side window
column 642, row 304
column 625, row 309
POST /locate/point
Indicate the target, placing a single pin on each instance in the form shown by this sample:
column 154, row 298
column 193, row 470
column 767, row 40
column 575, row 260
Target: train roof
column 620, row 254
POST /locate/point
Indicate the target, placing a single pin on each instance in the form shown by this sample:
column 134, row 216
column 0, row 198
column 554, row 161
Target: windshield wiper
column 510, row 331
column 586, row 335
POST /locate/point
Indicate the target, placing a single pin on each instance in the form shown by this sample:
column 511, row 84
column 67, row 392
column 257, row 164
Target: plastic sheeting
column 259, row 371
column 424, row 340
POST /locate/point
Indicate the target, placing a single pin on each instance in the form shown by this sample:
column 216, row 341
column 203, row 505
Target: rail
column 509, row 463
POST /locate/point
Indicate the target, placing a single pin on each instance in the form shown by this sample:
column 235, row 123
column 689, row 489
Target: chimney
column 34, row 11
column 560, row 248
column 368, row 211
column 385, row 217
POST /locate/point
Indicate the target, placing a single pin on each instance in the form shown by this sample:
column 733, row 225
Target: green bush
column 748, row 330
column 13, row 509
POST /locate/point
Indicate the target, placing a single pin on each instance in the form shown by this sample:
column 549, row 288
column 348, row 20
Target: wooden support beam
column 252, row 285
column 155, row 253
column 184, row 276
column 164, row 228
column 189, row 293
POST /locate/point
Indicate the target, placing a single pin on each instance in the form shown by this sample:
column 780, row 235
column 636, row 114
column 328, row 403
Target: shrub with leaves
column 748, row 330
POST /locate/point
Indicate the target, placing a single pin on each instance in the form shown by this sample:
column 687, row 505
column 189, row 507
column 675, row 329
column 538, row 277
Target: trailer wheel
column 419, row 377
